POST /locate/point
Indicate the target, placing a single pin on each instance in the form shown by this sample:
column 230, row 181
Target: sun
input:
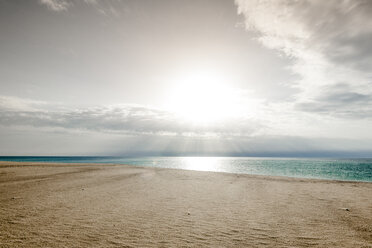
column 203, row 98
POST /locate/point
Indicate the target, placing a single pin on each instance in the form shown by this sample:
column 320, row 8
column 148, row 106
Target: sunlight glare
column 202, row 163
column 204, row 98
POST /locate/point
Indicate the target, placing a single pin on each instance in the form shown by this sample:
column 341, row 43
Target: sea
column 346, row 169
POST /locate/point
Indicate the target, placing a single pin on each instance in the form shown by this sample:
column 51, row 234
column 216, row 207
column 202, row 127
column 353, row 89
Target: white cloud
column 330, row 43
column 9, row 103
column 107, row 8
column 56, row 5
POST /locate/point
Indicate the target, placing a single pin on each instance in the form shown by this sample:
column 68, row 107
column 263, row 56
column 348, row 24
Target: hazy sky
column 186, row 77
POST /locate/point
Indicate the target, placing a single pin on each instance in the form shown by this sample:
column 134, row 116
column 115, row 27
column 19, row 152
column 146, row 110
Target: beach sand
column 87, row 205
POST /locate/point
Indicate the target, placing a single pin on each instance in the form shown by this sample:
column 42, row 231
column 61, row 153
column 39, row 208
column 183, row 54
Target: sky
column 186, row 77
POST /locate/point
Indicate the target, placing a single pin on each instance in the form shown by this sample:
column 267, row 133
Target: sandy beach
column 91, row 205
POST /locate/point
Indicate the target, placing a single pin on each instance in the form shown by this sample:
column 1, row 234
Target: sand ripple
column 123, row 206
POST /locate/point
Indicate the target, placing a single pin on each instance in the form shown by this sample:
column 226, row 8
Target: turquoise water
column 335, row 169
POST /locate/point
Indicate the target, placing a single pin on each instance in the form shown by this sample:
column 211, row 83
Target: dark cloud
column 353, row 51
column 339, row 100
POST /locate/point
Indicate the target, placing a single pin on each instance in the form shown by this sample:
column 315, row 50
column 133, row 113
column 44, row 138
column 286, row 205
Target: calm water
column 337, row 169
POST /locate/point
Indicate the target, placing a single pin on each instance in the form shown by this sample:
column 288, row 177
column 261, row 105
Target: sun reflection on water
column 202, row 163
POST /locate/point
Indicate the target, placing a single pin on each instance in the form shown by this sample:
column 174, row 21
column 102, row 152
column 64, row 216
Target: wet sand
column 90, row 205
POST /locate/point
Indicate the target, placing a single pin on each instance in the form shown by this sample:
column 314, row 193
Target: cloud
column 340, row 100
column 141, row 130
column 106, row 8
column 125, row 119
column 56, row 5
column 330, row 44
column 301, row 28
column 9, row 103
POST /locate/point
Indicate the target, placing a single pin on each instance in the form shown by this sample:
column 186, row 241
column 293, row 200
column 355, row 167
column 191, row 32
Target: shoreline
column 52, row 164
column 93, row 205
